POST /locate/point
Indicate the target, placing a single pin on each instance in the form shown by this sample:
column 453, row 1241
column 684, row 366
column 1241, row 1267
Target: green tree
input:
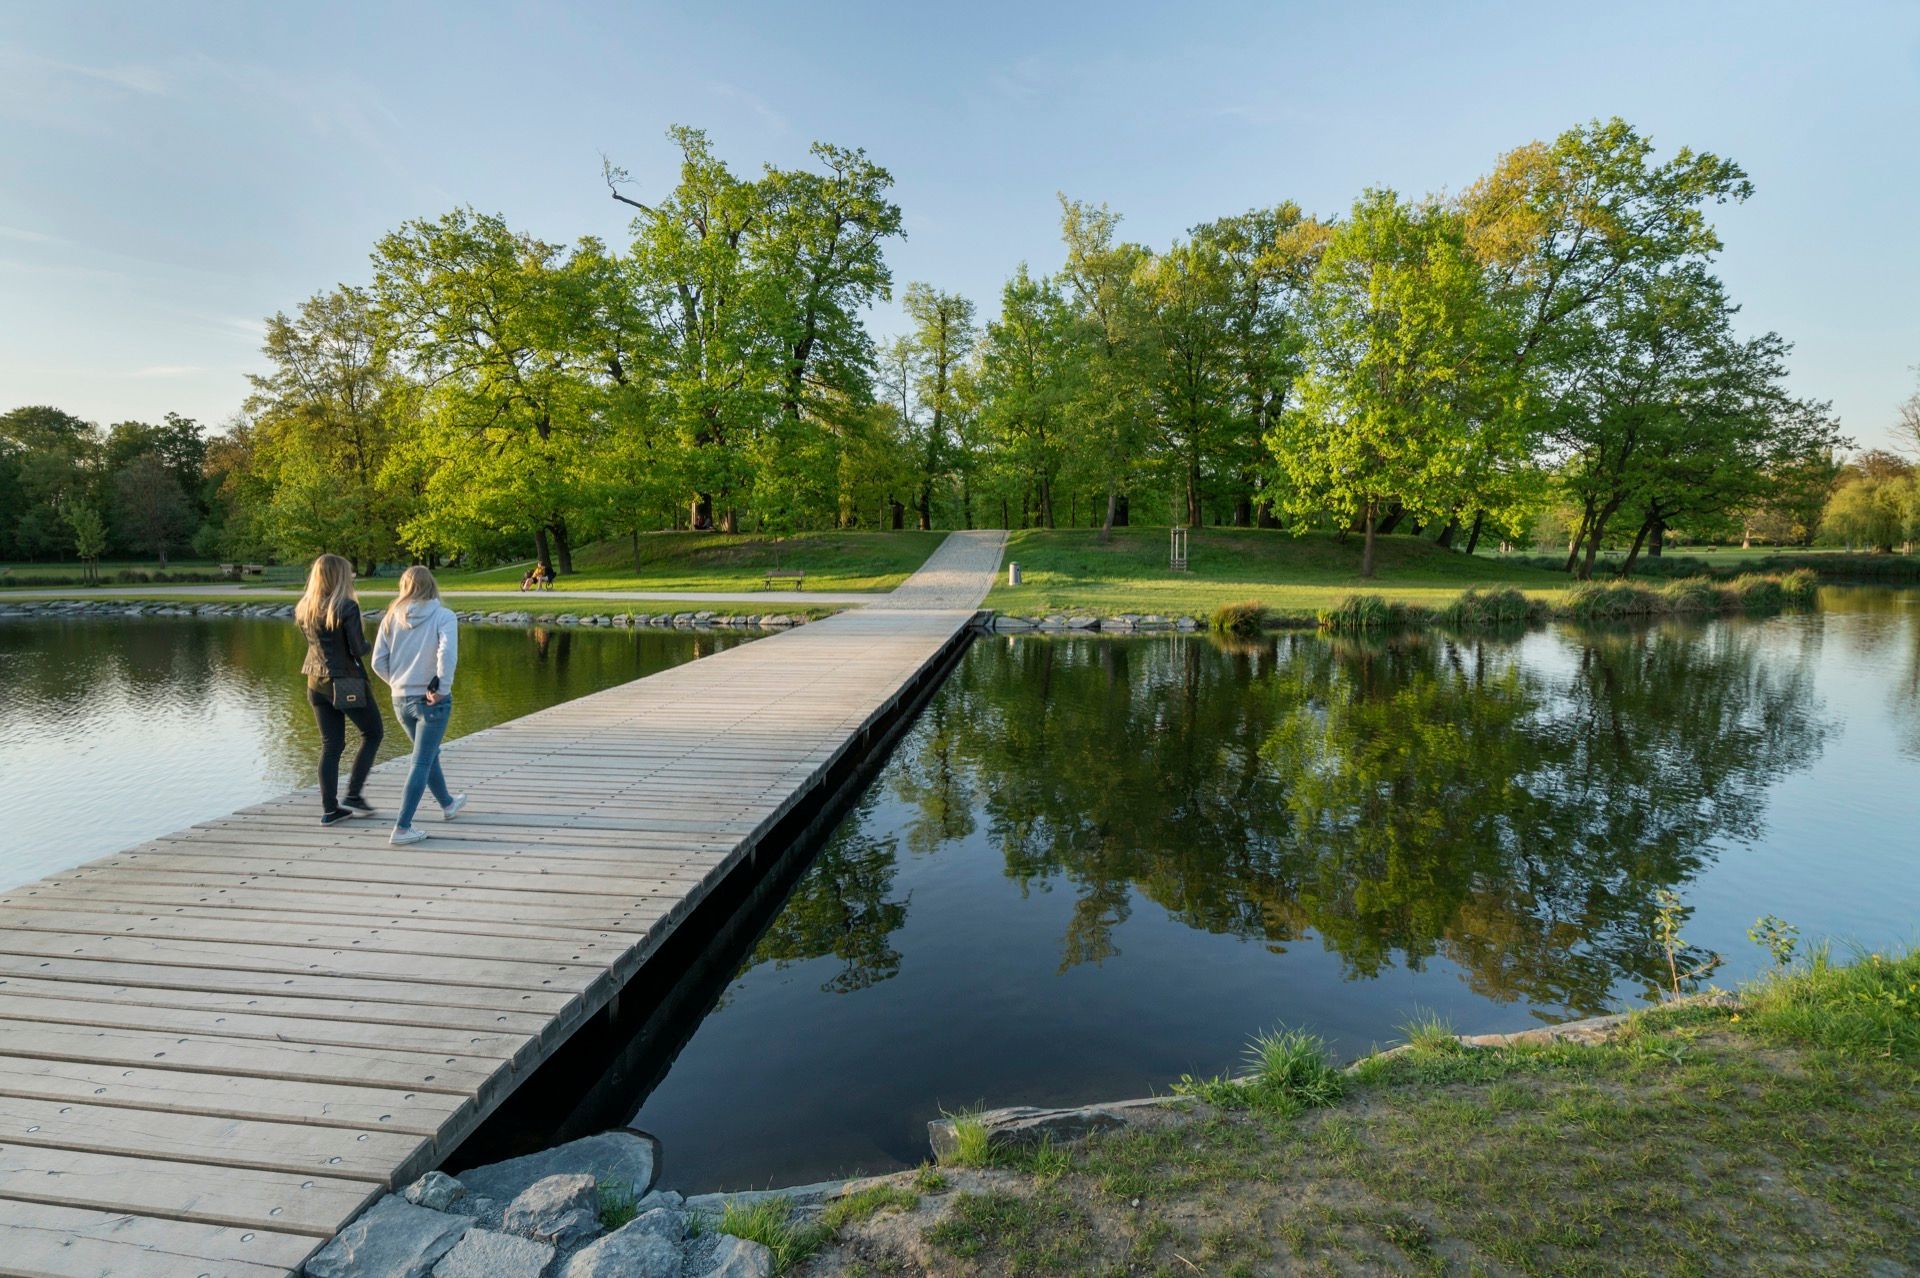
column 1398, row 329
column 48, row 458
column 1031, row 366
column 89, row 535
column 326, row 417
column 498, row 326
column 151, row 512
column 1102, row 279
column 942, row 338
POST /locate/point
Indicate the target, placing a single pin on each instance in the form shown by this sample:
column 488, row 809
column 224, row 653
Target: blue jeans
column 425, row 726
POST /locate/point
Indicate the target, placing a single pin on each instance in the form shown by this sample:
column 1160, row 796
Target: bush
column 1246, row 618
column 1801, row 586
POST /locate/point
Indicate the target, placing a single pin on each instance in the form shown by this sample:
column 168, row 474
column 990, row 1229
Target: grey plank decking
column 218, row 1046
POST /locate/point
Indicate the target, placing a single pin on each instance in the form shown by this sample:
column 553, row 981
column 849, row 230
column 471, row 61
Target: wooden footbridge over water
column 217, row 1047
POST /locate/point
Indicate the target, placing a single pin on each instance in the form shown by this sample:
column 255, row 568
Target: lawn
column 1779, row 1137
column 716, row 561
column 1072, row 571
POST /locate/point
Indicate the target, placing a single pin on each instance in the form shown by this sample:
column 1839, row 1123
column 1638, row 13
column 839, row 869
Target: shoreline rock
column 115, row 608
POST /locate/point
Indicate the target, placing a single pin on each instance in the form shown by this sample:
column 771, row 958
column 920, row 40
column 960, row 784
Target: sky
column 172, row 174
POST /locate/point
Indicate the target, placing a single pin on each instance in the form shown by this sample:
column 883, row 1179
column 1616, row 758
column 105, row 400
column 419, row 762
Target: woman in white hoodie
column 415, row 651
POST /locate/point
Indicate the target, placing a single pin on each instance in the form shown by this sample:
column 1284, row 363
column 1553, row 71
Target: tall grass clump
column 1476, row 607
column 1609, row 600
column 1756, row 593
column 1694, row 594
column 1800, row 587
column 771, row 1223
column 1292, row 1072
column 971, row 1145
column 1249, row 617
column 1369, row 612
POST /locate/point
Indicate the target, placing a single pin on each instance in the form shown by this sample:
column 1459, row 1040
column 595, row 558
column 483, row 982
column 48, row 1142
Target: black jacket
column 337, row 652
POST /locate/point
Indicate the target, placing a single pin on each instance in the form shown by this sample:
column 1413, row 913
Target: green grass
column 771, row 1222
column 715, row 561
column 1291, row 1072
column 1779, row 1137
column 619, row 1205
column 1070, row 571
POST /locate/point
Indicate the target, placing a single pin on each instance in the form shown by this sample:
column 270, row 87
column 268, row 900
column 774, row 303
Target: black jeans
column 333, row 740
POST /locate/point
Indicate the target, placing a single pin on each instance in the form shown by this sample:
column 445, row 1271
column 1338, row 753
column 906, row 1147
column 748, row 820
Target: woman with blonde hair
column 337, row 685
column 415, row 651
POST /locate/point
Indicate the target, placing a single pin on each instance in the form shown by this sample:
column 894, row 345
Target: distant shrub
column 1248, row 617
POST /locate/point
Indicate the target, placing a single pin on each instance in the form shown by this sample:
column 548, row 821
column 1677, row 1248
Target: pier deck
column 218, row 1046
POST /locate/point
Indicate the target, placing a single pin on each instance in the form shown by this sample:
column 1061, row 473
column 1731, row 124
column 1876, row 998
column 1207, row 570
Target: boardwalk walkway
column 218, row 1046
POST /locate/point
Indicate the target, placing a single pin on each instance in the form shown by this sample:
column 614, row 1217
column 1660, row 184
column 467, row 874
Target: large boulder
column 391, row 1239
column 617, row 1158
column 563, row 1210
column 485, row 1254
column 627, row 1252
column 739, row 1258
column 1025, row 1127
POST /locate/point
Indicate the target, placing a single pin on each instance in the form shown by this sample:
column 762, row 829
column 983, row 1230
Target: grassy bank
column 1583, row 601
column 1780, row 1137
column 713, row 561
column 1070, row 571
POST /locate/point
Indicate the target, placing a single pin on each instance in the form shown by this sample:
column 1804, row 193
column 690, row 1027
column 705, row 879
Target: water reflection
column 1513, row 810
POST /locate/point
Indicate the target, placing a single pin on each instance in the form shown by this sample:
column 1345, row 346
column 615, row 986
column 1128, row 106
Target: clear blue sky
column 170, row 174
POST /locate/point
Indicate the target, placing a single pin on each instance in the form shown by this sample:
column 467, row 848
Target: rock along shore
column 703, row 620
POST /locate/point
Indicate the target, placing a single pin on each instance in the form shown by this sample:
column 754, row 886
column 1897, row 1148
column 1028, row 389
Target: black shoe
column 358, row 804
column 338, row 815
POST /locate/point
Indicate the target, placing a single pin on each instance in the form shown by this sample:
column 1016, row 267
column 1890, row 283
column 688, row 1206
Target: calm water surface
column 115, row 730
column 1093, row 865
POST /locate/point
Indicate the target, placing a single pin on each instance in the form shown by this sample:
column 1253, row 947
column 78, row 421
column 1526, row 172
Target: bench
column 794, row 575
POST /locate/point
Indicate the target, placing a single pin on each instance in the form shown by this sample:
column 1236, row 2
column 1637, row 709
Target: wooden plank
column 72, row 1009
column 294, row 1202
column 197, row 1138
column 44, row 1241
column 354, row 1012
column 230, row 1096
column 247, row 981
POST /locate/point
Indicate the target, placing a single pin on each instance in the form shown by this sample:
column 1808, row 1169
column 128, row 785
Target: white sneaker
column 451, row 810
column 406, row 834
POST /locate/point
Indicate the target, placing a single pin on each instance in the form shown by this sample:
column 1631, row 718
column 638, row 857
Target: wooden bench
column 794, row 575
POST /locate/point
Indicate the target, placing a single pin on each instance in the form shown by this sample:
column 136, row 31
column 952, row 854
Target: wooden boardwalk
column 217, row 1047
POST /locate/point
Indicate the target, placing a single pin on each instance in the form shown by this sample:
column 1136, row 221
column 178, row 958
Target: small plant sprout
column 1667, row 914
column 1777, row 936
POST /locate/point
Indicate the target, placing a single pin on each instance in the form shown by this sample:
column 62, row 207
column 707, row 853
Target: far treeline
column 1547, row 356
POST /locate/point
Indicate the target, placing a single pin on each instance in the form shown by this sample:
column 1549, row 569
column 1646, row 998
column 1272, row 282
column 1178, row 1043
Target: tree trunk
column 1195, row 516
column 1242, row 511
column 1392, row 520
column 730, row 521
column 563, row 546
column 1122, row 511
column 1633, row 552
column 541, row 553
column 1005, row 512
column 1473, row 535
column 700, row 517
column 1445, row 540
column 1658, row 544
column 636, row 547
column 1366, row 551
column 898, row 511
column 1113, row 509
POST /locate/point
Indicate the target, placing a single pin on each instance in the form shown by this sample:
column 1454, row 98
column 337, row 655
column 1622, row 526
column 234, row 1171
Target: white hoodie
column 411, row 657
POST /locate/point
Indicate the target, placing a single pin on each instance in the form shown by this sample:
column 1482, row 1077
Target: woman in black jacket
column 337, row 686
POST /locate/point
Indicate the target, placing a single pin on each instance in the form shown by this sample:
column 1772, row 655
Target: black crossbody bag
column 352, row 692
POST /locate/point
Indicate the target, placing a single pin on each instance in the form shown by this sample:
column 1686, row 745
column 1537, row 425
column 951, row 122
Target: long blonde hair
column 415, row 583
column 329, row 587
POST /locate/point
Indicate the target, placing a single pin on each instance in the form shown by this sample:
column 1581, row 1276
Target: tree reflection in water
column 1511, row 804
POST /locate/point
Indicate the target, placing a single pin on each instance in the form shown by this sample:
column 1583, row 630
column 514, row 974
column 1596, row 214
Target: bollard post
column 1013, row 574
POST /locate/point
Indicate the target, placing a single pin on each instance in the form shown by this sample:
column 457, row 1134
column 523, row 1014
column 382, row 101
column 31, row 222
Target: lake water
column 115, row 730
column 1093, row 865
